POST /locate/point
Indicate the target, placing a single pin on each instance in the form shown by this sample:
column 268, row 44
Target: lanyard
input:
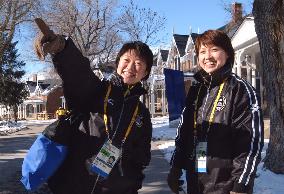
column 106, row 118
column 211, row 118
column 105, row 109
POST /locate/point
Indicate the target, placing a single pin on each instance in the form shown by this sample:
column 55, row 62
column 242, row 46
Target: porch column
column 152, row 102
column 163, row 102
column 238, row 62
column 248, row 73
column 253, row 78
column 35, row 110
column 254, row 71
column 25, row 111
column 22, row 111
column 19, row 112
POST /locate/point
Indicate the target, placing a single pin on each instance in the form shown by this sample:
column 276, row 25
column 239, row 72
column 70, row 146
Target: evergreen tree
column 12, row 90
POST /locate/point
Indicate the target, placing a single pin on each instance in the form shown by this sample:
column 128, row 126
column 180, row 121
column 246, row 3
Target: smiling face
column 131, row 67
column 211, row 58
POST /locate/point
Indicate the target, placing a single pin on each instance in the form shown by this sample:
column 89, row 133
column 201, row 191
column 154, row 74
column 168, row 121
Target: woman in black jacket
column 110, row 145
column 220, row 136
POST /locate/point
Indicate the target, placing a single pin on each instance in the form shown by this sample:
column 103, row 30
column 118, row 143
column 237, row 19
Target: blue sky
column 181, row 15
column 197, row 14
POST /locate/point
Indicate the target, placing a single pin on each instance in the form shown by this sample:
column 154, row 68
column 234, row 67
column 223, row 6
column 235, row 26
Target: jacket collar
column 216, row 78
column 135, row 90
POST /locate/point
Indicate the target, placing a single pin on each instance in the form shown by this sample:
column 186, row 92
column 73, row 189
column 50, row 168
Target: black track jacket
column 85, row 93
column 235, row 137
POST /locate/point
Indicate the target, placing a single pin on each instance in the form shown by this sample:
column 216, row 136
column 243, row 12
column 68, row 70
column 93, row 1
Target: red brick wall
column 54, row 100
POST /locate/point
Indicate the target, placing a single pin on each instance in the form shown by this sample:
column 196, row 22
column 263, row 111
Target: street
column 13, row 149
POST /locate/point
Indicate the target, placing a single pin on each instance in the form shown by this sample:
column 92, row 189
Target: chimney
column 34, row 77
column 237, row 12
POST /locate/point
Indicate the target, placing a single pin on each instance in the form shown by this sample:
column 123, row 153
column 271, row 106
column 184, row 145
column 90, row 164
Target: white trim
column 255, row 109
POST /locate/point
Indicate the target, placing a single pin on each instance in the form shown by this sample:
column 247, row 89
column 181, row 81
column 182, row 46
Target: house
column 156, row 99
column 248, row 57
column 45, row 96
column 176, row 52
column 241, row 30
column 190, row 58
column 180, row 56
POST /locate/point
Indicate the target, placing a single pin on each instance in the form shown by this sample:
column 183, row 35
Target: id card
column 106, row 159
column 201, row 153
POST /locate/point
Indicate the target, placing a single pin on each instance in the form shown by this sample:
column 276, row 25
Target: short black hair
column 142, row 50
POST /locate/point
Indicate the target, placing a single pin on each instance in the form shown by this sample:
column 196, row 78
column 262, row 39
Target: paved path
column 156, row 174
column 14, row 147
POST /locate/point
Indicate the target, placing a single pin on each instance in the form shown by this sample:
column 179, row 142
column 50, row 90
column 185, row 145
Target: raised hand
column 47, row 42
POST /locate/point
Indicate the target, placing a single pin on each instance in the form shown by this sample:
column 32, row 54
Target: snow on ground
column 27, row 122
column 266, row 182
column 8, row 127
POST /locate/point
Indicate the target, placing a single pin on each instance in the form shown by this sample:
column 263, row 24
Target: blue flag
column 175, row 92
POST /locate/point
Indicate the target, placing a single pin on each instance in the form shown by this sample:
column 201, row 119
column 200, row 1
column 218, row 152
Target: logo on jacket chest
column 221, row 103
column 139, row 121
column 110, row 101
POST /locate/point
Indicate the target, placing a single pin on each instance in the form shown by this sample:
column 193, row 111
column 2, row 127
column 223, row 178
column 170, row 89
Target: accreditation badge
column 105, row 159
column 201, row 153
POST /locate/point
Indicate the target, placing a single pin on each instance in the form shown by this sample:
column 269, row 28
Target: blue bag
column 41, row 161
column 49, row 151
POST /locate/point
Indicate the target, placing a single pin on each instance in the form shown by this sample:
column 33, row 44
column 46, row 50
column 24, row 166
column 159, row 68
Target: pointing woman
column 115, row 124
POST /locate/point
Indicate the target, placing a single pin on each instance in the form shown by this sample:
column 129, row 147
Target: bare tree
column 88, row 22
column 98, row 27
column 12, row 14
column 141, row 23
column 269, row 26
column 227, row 6
column 94, row 25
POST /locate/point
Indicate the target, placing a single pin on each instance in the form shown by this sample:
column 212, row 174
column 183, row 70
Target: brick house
column 45, row 97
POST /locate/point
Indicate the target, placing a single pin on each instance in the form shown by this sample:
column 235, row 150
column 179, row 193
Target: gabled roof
column 31, row 86
column 194, row 36
column 181, row 41
column 245, row 35
column 164, row 55
column 230, row 29
column 191, row 40
column 42, row 85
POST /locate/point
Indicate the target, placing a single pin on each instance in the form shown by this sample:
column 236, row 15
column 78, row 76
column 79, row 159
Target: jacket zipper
column 120, row 162
column 206, row 99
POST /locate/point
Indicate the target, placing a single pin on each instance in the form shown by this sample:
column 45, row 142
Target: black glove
column 173, row 179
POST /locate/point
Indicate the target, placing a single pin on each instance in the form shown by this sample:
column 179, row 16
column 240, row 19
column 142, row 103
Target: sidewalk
column 156, row 174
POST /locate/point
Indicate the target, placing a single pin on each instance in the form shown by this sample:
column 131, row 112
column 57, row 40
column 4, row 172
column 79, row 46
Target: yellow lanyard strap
column 131, row 123
column 105, row 108
column 211, row 118
column 105, row 114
